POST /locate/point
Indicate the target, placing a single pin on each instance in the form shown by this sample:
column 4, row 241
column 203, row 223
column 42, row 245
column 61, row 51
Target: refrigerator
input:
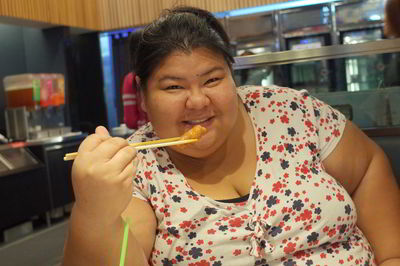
column 308, row 28
column 363, row 72
column 252, row 35
column 358, row 22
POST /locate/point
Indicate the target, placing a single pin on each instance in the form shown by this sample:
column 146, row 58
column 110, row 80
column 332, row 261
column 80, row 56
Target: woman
column 279, row 178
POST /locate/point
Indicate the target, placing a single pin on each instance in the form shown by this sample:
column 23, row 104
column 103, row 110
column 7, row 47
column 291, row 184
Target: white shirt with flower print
column 296, row 214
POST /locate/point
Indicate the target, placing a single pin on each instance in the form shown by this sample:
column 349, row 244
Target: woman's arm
column 363, row 169
column 102, row 180
column 93, row 243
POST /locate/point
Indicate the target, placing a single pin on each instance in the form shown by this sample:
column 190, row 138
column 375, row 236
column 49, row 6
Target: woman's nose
column 197, row 99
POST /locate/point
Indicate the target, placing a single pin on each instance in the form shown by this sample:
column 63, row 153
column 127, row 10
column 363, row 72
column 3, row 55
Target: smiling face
column 189, row 89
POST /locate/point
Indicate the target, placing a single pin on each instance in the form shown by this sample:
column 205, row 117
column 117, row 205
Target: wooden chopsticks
column 145, row 145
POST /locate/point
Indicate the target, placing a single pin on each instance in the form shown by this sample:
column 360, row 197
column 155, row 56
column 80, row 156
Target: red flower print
column 200, row 263
column 305, row 170
column 328, row 197
column 277, row 186
column 170, row 188
column 211, row 231
column 185, row 224
column 309, row 124
column 332, row 232
column 340, row 197
column 237, row 252
column 299, row 254
column 147, row 174
column 336, row 133
column 306, row 215
column 284, row 119
column 183, row 210
column 237, row 222
column 255, row 95
column 200, row 242
column 290, row 247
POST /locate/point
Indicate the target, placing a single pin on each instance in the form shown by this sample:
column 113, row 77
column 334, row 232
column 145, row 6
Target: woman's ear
column 142, row 96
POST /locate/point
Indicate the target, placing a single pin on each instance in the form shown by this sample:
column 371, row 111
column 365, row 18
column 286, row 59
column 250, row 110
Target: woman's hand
column 102, row 177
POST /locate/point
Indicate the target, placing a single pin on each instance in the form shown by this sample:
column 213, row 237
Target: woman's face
column 189, row 89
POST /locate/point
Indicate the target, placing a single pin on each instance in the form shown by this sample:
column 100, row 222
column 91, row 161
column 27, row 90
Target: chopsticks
column 145, row 145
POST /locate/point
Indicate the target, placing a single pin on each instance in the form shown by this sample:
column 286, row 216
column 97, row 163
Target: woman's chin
column 206, row 146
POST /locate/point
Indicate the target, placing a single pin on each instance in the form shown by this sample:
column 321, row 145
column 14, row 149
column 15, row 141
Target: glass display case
column 371, row 104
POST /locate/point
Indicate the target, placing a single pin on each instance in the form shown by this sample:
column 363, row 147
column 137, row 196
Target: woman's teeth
column 197, row 121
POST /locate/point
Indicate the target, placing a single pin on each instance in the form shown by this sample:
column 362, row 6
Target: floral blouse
column 296, row 213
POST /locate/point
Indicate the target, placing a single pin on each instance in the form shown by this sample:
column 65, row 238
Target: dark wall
column 85, row 74
column 12, row 61
column 44, row 50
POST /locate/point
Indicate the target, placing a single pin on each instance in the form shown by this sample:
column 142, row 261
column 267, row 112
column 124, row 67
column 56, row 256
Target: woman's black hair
column 180, row 29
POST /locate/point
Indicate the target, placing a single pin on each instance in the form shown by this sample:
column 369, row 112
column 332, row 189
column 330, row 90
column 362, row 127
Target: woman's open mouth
column 202, row 122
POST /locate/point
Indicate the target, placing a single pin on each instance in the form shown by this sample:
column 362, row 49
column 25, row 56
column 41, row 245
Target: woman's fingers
column 94, row 140
column 123, row 158
column 110, row 147
column 128, row 173
column 102, row 131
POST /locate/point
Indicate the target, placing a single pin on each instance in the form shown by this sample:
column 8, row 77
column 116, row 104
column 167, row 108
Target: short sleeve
column 330, row 123
column 140, row 183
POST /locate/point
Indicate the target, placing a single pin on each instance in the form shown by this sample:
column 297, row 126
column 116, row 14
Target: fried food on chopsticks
column 195, row 132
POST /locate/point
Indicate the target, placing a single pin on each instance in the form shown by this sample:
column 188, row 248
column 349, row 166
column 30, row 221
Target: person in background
column 392, row 18
column 391, row 29
column 279, row 178
column 134, row 116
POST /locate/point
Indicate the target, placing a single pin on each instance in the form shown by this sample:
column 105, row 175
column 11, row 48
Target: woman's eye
column 212, row 80
column 173, row 87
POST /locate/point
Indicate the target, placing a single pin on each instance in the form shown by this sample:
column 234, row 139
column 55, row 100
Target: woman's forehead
column 200, row 59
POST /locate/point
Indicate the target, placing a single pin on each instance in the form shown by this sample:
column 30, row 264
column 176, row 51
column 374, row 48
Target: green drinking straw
column 124, row 242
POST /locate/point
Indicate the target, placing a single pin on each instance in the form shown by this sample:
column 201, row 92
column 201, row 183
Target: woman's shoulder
column 144, row 133
column 249, row 93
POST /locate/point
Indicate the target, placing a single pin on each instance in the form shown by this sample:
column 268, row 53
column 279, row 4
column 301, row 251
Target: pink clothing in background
column 134, row 116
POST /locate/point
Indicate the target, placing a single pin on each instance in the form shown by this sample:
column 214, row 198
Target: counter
column 39, row 179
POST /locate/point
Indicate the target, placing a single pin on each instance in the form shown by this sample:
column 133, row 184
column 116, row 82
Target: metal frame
column 323, row 53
